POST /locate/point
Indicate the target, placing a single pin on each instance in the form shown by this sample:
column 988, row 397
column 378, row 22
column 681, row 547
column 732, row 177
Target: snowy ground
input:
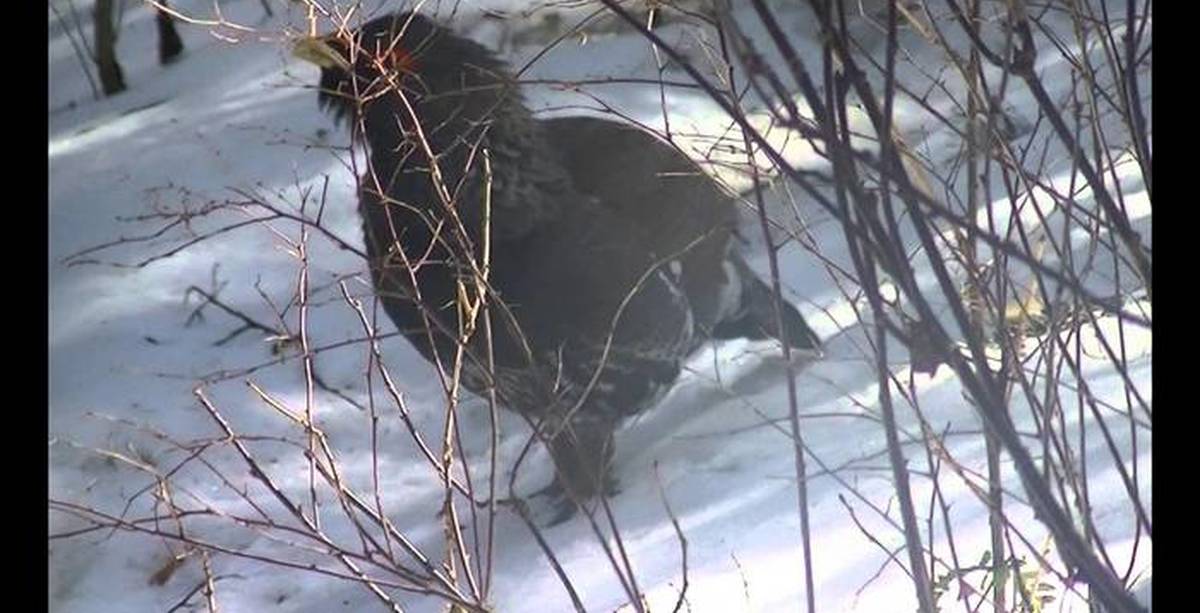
column 244, row 116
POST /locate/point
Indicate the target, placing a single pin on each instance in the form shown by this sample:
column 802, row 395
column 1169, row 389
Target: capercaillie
column 609, row 256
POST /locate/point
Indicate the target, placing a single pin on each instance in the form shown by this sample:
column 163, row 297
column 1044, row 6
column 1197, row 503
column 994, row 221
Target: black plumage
column 609, row 255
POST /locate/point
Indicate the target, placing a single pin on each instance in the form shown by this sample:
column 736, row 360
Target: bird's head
column 400, row 54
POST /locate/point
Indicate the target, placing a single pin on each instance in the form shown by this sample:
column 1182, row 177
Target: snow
column 243, row 116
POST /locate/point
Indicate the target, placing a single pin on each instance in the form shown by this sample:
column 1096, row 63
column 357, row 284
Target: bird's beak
column 318, row 51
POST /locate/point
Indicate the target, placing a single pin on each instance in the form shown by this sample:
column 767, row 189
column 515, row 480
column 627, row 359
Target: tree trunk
column 111, row 79
column 170, row 46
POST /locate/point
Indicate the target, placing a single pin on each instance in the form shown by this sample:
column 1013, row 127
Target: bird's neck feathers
column 423, row 83
column 472, row 119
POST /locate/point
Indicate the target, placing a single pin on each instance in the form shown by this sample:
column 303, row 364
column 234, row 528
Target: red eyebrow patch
column 402, row 60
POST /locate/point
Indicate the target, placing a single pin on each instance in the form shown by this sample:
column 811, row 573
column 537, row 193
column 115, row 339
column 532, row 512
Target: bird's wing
column 643, row 178
column 683, row 214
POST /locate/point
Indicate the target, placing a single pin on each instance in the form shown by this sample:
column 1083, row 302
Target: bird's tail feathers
column 756, row 319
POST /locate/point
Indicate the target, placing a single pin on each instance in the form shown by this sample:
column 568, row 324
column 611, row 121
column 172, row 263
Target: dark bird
column 607, row 256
